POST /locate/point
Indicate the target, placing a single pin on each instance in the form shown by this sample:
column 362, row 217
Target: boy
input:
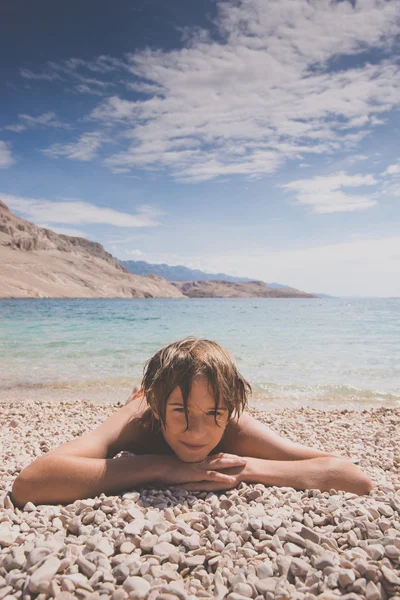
column 187, row 427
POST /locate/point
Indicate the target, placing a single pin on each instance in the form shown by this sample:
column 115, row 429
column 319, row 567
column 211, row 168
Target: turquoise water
column 293, row 351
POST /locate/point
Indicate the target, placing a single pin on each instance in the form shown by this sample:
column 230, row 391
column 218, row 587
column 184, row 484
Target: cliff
column 38, row 263
column 228, row 289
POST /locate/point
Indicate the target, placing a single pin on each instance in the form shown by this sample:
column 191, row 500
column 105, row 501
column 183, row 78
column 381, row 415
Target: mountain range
column 36, row 262
column 181, row 273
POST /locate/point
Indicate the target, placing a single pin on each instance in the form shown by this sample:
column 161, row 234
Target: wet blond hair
column 177, row 364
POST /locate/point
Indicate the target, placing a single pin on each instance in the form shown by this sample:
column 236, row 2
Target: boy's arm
column 322, row 473
column 274, row 460
column 249, row 437
column 83, row 467
column 63, row 478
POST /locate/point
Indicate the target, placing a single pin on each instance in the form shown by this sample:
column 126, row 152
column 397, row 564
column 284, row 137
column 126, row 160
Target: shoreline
column 250, row 542
column 112, row 390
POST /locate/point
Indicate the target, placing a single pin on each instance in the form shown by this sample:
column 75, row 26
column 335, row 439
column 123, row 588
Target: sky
column 260, row 138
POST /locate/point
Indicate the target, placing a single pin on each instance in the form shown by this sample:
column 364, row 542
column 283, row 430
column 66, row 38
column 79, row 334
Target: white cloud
column 267, row 89
column 354, row 158
column 85, row 148
column 6, row 157
column 83, row 88
column 135, row 253
column 393, row 169
column 69, row 70
column 77, row 212
column 44, row 120
column 102, row 64
column 27, row 74
column 324, row 194
column 17, row 128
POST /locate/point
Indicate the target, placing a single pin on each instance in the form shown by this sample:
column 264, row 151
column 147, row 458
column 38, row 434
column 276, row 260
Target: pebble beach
column 249, row 542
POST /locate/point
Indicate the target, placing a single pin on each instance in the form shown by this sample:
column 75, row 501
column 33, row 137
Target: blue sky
column 254, row 137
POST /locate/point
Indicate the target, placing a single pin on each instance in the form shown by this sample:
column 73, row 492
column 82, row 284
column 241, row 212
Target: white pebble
column 135, row 527
column 40, row 580
column 164, row 549
column 138, row 585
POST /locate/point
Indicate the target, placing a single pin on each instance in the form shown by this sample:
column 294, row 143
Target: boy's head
column 193, row 387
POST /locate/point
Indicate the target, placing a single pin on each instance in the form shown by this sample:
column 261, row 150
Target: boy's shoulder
column 144, row 437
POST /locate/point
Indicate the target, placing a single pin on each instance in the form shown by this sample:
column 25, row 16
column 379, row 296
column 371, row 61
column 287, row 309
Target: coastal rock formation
column 38, row 263
column 230, row 289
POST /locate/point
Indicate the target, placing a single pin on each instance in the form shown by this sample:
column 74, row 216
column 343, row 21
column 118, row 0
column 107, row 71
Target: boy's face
column 203, row 434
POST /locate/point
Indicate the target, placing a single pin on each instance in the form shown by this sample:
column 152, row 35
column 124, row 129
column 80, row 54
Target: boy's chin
column 191, row 458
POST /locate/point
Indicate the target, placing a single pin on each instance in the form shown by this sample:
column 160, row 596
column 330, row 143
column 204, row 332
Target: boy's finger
column 223, row 456
column 225, row 463
column 217, row 476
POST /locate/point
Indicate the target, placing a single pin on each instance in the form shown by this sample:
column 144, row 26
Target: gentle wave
column 292, row 351
column 265, row 395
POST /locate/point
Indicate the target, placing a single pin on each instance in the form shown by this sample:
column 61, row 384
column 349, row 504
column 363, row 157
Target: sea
column 322, row 353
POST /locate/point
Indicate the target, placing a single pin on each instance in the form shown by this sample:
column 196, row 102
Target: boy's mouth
column 193, row 447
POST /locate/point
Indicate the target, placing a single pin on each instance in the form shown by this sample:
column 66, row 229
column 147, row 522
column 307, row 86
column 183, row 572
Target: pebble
column 243, row 589
column 346, row 577
column 265, row 570
column 292, row 549
column 385, row 509
column 327, row 559
column 135, row 527
column 390, row 575
column 376, row 551
column 7, row 537
column 266, row 585
column 127, row 548
column 372, row 592
column 138, row 586
column 194, row 561
column 359, row 586
column 392, row 551
column 40, row 580
column 299, row 567
column 105, row 547
column 163, row 549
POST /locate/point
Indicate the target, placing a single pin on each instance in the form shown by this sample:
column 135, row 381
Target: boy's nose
column 195, row 426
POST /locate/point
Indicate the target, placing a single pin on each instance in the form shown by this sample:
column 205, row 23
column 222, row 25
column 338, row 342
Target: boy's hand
column 211, row 486
column 219, row 469
column 237, row 474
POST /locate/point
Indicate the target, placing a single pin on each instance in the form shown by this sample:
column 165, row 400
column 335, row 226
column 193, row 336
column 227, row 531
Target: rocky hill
column 38, row 263
column 229, row 289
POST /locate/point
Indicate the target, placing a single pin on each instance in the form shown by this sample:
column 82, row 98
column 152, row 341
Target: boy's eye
column 211, row 413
